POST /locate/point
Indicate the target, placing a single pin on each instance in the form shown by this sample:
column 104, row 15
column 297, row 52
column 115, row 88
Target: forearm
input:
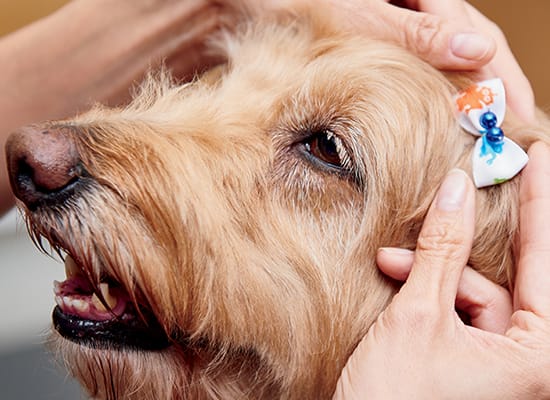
column 92, row 50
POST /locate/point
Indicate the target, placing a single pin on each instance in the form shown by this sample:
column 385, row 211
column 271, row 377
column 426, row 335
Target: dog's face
column 221, row 234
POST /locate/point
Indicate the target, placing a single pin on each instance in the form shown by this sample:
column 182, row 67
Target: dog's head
column 221, row 234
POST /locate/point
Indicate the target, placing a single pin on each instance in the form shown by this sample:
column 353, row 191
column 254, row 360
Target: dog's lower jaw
column 170, row 374
column 195, row 372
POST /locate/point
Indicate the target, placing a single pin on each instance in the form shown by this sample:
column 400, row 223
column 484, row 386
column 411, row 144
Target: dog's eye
column 327, row 148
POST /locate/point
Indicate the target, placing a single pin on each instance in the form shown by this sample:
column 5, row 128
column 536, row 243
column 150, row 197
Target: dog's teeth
column 109, row 299
column 104, row 288
column 59, row 301
column 71, row 269
column 97, row 303
column 80, row 305
column 67, row 302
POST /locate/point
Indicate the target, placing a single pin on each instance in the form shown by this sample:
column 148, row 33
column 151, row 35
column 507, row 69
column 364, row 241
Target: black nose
column 43, row 164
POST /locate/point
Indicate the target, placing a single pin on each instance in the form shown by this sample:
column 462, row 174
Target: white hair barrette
column 496, row 158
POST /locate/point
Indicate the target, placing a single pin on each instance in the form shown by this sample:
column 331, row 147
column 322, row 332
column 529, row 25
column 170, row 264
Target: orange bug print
column 475, row 97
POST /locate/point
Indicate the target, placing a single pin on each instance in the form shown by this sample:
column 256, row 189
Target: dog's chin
column 117, row 348
column 117, row 373
column 180, row 371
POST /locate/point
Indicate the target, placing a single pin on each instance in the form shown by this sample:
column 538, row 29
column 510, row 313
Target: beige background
column 526, row 24
column 15, row 13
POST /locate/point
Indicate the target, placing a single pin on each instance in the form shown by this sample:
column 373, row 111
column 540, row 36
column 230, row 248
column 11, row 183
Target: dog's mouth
column 103, row 315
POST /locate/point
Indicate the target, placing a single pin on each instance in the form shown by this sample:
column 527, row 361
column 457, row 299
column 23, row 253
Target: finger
column 444, row 243
column 488, row 305
column 395, row 262
column 444, row 44
column 504, row 65
column 533, row 277
column 450, row 9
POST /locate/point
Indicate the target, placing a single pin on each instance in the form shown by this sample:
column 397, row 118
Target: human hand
column 449, row 34
column 452, row 35
column 420, row 348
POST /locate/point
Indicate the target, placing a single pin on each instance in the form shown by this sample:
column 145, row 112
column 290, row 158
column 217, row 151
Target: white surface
column 26, row 294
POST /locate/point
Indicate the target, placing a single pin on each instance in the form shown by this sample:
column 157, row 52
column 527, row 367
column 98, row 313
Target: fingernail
column 452, row 192
column 399, row 251
column 471, row 46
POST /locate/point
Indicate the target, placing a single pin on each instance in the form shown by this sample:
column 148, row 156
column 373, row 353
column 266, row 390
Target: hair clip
column 496, row 158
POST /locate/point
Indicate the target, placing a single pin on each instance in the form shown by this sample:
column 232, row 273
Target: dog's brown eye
column 326, row 147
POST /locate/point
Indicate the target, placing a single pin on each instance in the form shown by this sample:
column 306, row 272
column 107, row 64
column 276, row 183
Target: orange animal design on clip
column 475, row 97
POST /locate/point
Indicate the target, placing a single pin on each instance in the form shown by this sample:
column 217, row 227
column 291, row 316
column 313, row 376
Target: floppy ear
column 497, row 206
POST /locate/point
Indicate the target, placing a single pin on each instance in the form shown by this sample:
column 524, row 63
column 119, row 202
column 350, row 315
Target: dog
column 219, row 236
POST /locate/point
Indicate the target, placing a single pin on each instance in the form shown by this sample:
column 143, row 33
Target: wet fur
column 260, row 262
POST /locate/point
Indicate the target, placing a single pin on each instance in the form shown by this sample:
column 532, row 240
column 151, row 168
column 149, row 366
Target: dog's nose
column 42, row 164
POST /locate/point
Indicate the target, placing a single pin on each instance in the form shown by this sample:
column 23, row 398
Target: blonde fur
column 202, row 206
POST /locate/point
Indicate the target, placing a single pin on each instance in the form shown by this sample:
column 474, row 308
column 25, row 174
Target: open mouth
column 102, row 316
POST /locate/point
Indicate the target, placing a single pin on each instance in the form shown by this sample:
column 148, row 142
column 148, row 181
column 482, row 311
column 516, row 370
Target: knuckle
column 440, row 239
column 494, row 30
column 519, row 318
column 422, row 32
column 527, row 321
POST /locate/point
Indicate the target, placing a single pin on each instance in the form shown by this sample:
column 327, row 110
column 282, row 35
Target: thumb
column 440, row 42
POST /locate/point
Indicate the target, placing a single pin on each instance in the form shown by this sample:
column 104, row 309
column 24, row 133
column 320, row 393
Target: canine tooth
column 59, row 301
column 71, row 269
column 104, row 288
column 97, row 303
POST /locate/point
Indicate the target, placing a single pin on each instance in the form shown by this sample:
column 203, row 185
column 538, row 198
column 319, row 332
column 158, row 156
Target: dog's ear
column 497, row 206
column 213, row 76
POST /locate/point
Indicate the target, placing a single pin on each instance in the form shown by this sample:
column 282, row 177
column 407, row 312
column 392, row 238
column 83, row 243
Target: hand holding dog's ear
column 419, row 347
column 450, row 35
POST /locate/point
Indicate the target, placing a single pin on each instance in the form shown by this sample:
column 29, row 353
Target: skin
column 419, row 348
column 86, row 55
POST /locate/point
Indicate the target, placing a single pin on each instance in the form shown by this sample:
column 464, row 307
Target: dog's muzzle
column 45, row 171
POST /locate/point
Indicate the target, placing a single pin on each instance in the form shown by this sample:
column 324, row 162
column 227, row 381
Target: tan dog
column 230, row 225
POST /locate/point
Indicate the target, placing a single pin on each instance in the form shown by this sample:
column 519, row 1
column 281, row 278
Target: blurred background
column 26, row 300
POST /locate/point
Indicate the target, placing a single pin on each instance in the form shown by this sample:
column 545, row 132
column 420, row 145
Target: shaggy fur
column 202, row 201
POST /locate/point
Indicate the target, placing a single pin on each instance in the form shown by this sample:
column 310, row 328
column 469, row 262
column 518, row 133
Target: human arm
column 94, row 50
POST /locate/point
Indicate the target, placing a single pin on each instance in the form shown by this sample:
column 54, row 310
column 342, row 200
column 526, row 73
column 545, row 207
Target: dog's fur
column 204, row 206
